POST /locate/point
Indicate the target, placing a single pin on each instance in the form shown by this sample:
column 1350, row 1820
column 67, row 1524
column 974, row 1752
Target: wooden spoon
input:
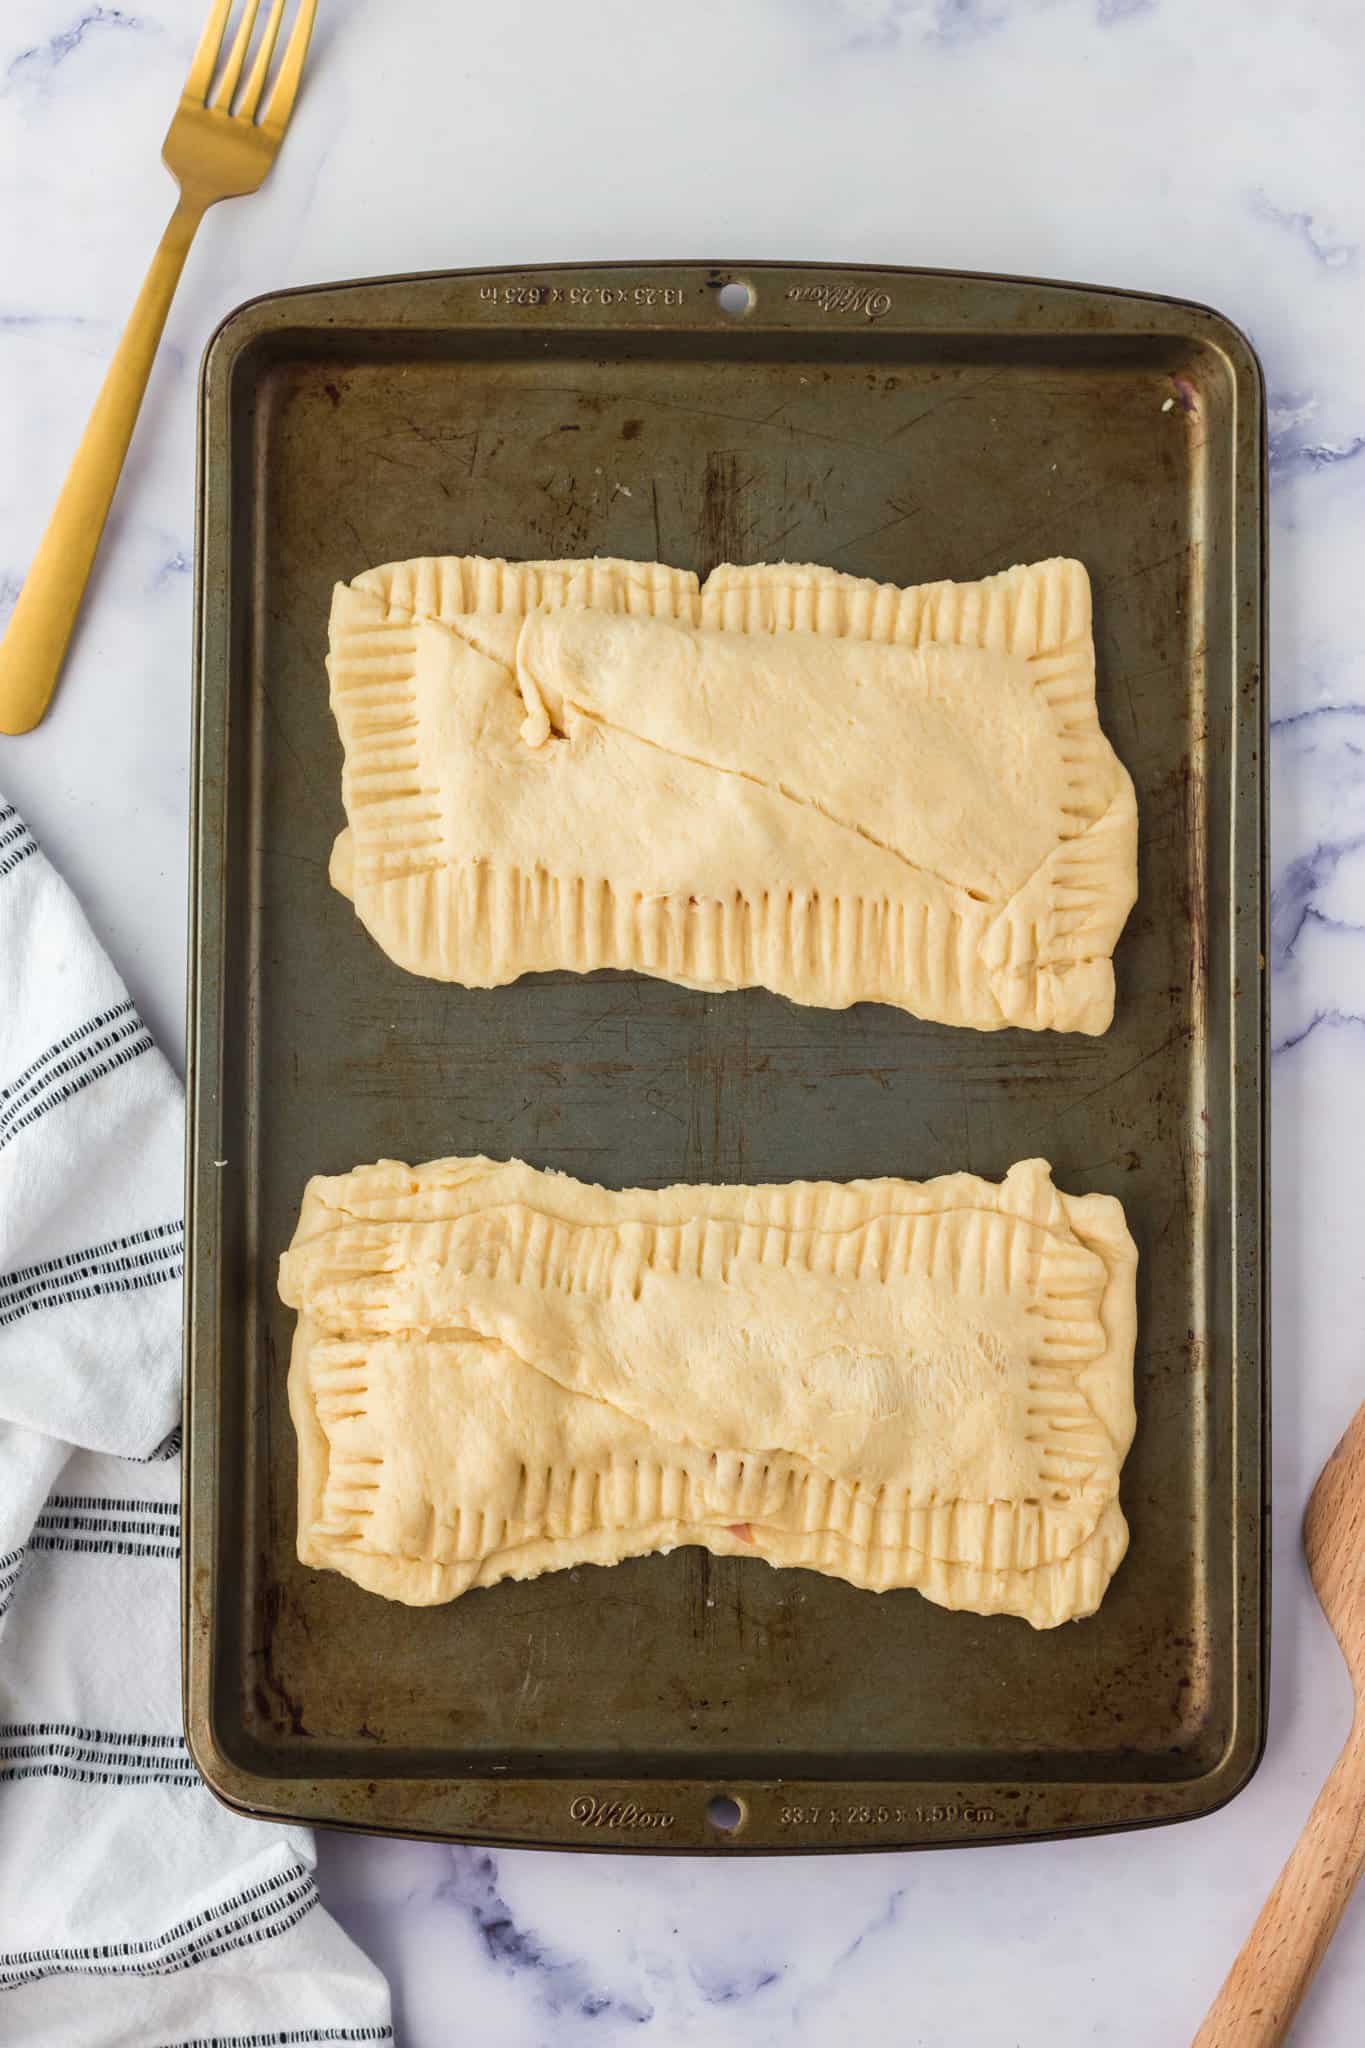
column 1265, row 1985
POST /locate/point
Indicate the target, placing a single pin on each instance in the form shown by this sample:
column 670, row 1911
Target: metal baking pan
column 904, row 425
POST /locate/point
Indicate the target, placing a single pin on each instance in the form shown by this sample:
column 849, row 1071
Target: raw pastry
column 831, row 788
column 498, row 1372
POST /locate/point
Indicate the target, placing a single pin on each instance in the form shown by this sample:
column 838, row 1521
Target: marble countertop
column 1197, row 147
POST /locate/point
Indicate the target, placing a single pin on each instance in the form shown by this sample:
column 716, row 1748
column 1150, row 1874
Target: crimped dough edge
column 1058, row 1587
column 1041, row 961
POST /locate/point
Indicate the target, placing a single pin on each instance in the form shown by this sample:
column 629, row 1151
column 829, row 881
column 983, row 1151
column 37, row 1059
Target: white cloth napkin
column 134, row 1909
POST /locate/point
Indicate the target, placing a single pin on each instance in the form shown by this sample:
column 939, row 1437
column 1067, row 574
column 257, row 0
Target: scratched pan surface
column 900, row 425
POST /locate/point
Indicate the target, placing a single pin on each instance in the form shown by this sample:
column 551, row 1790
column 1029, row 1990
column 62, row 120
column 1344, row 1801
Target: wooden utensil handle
column 35, row 643
column 1263, row 1988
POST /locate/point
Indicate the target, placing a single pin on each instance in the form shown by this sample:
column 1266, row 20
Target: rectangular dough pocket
column 786, row 778
column 499, row 1372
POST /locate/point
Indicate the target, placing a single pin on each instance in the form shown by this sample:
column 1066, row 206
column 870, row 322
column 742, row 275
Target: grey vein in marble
column 94, row 337
column 37, row 64
column 176, row 565
column 1334, row 254
column 562, row 1983
column 1317, row 946
column 37, row 323
column 1292, row 899
column 1291, row 445
column 721, row 1988
column 886, row 24
column 878, row 1924
column 963, row 21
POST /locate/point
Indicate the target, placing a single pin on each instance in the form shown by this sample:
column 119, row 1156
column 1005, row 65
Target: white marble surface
column 1200, row 147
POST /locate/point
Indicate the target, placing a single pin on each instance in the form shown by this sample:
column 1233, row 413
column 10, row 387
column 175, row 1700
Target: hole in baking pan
column 735, row 298
column 724, row 1813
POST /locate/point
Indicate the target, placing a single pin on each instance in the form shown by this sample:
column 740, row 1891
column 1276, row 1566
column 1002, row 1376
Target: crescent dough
column 835, row 789
column 499, row 1372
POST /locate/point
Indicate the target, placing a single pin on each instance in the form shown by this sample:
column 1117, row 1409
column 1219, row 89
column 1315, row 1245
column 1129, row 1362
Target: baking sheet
column 900, row 425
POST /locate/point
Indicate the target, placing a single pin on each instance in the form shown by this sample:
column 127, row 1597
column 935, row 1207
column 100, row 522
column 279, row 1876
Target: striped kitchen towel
column 134, row 1909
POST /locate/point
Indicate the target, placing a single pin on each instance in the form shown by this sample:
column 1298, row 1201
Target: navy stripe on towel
column 94, row 1756
column 114, row 1524
column 11, row 1564
column 70, row 1064
column 168, row 1448
column 257, row 1913
column 121, row 1265
column 16, row 841
column 288, row 2037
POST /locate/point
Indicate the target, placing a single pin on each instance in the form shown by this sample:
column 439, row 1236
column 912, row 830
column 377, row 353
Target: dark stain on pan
column 726, row 520
column 275, row 1703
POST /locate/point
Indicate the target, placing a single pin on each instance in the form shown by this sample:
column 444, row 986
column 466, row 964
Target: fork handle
column 1265, row 1985
column 34, row 646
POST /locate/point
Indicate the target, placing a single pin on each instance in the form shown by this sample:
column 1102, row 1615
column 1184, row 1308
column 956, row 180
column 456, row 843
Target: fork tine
column 241, row 42
column 206, row 56
column 251, row 91
column 280, row 105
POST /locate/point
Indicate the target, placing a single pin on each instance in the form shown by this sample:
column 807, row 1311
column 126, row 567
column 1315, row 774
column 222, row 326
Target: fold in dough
column 499, row 1372
column 790, row 778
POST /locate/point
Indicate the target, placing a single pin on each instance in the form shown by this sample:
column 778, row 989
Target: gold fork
column 214, row 151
